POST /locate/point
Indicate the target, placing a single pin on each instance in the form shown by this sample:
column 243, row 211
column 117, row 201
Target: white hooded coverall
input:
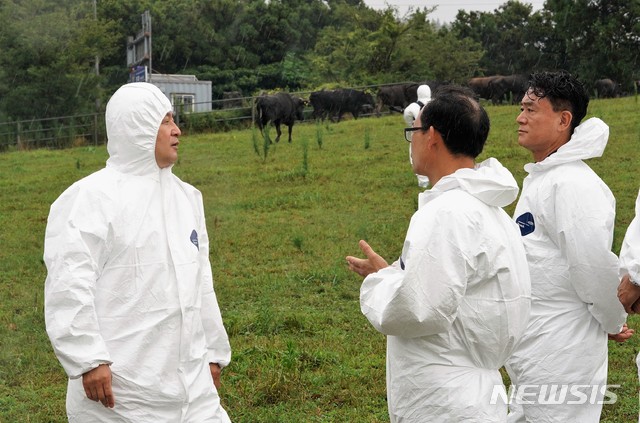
column 566, row 215
column 129, row 279
column 455, row 303
column 410, row 114
column 630, row 256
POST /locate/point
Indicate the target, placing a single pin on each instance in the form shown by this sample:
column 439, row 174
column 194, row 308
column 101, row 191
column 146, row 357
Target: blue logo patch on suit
column 526, row 223
column 194, row 239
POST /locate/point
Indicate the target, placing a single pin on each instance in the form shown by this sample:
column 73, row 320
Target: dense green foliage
column 594, row 39
column 51, row 49
column 280, row 226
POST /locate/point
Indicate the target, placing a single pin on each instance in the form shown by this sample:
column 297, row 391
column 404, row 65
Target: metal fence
column 89, row 129
column 58, row 132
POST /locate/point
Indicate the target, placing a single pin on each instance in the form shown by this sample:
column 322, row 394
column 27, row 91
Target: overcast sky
column 447, row 10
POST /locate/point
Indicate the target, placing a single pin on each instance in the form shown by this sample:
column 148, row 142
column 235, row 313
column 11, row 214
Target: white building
column 184, row 91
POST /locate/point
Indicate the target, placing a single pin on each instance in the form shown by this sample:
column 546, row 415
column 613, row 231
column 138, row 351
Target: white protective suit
column 455, row 303
column 129, row 280
column 630, row 256
column 566, row 215
column 410, row 114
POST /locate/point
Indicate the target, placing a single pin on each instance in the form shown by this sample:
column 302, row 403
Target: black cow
column 322, row 103
column 513, row 86
column 392, row 96
column 606, row 88
column 336, row 103
column 483, row 88
column 279, row 108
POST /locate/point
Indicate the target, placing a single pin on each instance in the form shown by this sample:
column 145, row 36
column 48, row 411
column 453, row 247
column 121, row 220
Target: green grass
column 280, row 225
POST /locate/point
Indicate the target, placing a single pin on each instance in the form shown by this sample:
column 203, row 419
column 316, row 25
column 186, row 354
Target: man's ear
column 433, row 137
column 565, row 119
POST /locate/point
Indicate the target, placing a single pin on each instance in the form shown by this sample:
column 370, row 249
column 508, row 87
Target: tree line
column 65, row 57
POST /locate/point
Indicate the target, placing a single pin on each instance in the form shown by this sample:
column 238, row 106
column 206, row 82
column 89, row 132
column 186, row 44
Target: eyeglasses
column 408, row 132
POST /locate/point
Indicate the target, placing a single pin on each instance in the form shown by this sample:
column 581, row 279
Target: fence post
column 95, row 129
column 253, row 111
column 18, row 134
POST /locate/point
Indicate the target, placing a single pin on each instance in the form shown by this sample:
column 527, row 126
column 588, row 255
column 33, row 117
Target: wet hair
column 455, row 112
column 563, row 91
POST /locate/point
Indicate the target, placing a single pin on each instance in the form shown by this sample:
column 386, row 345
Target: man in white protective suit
column 566, row 215
column 129, row 302
column 629, row 288
column 457, row 300
column 410, row 114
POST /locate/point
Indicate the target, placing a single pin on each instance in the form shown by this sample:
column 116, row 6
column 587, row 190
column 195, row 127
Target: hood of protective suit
column 589, row 140
column 424, row 94
column 133, row 116
column 489, row 182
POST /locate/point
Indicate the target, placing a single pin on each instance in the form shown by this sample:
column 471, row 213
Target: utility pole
column 98, row 90
column 95, row 17
column 139, row 59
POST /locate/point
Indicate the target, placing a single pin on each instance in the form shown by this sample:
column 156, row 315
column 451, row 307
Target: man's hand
column 628, row 294
column 97, row 385
column 216, row 371
column 371, row 264
column 624, row 334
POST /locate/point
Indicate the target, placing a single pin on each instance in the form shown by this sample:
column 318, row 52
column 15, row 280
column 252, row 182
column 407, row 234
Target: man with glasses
column 566, row 215
column 456, row 302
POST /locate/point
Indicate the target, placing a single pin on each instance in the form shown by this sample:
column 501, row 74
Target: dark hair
column 456, row 114
column 563, row 91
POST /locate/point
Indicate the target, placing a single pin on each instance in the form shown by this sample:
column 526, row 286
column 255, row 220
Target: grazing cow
column 279, row 108
column 483, row 88
column 606, row 88
column 322, row 103
column 392, row 96
column 513, row 86
column 336, row 103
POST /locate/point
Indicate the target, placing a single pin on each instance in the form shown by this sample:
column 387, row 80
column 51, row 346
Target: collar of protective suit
column 589, row 140
column 489, row 182
column 133, row 116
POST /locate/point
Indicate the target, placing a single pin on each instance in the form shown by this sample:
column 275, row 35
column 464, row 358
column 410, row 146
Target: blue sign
column 138, row 74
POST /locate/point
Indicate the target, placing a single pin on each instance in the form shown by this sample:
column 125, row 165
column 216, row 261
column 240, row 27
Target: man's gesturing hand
column 371, row 264
column 97, row 385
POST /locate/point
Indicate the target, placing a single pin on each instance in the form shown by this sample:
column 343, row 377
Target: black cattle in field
column 392, row 96
column 322, row 103
column 509, row 86
column 335, row 103
column 606, row 88
column 279, row 108
column 483, row 88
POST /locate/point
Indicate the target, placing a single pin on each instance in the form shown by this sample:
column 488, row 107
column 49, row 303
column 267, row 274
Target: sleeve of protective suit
column 410, row 113
column 76, row 242
column 422, row 299
column 630, row 251
column 218, row 347
column 585, row 219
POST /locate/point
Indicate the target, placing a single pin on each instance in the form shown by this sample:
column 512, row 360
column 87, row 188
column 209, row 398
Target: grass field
column 280, row 228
